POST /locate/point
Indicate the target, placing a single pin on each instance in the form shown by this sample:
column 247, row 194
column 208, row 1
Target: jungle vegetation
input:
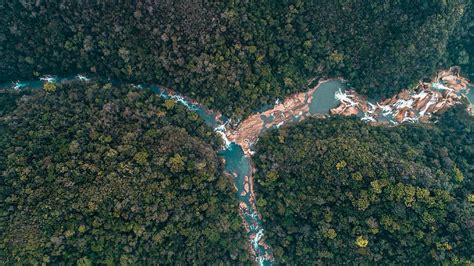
column 235, row 56
column 339, row 191
column 104, row 174
column 100, row 174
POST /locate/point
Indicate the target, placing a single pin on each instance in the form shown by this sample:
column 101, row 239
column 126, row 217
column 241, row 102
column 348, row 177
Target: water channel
column 236, row 162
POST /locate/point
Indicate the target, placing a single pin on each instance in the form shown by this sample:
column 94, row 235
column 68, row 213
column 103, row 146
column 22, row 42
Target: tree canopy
column 339, row 191
column 106, row 175
column 236, row 56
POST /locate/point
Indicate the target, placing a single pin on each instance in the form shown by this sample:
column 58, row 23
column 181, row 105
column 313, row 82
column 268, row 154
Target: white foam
column 48, row 79
column 386, row 109
column 139, row 86
column 82, row 78
column 372, row 108
column 344, row 97
column 18, row 85
column 403, row 103
column 254, row 242
column 440, row 86
column 433, row 100
column 179, row 99
column 221, row 129
column 420, row 95
column 368, row 118
column 410, row 119
column 256, row 239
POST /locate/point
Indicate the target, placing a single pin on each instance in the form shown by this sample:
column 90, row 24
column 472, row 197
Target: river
column 236, row 163
column 317, row 101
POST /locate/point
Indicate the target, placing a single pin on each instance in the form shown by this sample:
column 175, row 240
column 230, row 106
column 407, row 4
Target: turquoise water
column 470, row 95
column 236, row 163
column 235, row 159
column 35, row 84
column 323, row 97
column 206, row 115
column 239, row 165
column 386, row 118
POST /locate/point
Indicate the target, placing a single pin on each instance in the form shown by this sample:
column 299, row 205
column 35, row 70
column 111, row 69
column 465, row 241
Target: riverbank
column 446, row 88
column 294, row 108
column 328, row 97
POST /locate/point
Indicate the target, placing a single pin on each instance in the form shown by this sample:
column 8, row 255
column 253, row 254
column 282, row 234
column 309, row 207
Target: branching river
column 331, row 96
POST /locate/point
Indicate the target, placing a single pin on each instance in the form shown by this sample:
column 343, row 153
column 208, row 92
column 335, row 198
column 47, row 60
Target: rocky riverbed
column 444, row 90
column 293, row 108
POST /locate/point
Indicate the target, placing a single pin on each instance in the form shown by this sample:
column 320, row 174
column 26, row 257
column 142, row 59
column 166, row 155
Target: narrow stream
column 237, row 163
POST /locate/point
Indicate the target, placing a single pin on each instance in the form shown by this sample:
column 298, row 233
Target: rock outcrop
column 446, row 89
column 248, row 131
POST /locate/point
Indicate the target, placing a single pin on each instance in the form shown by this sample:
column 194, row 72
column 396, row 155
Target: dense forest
column 98, row 174
column 235, row 56
column 339, row 191
column 461, row 45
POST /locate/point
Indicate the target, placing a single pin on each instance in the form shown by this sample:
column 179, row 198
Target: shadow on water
column 236, row 163
column 235, row 159
column 323, row 97
column 239, row 165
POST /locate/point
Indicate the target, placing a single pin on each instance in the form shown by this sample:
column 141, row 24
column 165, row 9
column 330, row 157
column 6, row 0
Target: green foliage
column 84, row 261
column 336, row 57
column 461, row 45
column 458, row 176
column 94, row 175
column 237, row 56
column 49, row 87
column 141, row 157
column 169, row 104
column 330, row 233
column 357, row 194
column 8, row 100
column 176, row 163
column 361, row 242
